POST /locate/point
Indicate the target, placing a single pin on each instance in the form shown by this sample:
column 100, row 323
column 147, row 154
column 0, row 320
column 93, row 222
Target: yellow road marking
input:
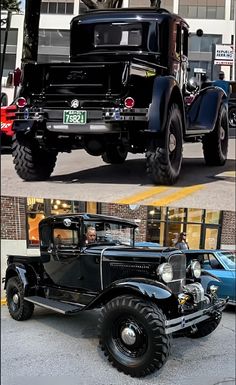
column 228, row 173
column 142, row 195
column 3, row 301
column 176, row 196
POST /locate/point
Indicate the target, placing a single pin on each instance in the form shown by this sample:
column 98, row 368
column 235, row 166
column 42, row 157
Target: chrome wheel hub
column 128, row 336
column 172, row 142
column 222, row 133
column 15, row 299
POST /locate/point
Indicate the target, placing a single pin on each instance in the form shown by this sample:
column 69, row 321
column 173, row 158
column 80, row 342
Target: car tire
column 19, row 309
column 32, row 163
column 163, row 160
column 115, row 155
column 215, row 144
column 132, row 335
column 232, row 117
column 204, row 328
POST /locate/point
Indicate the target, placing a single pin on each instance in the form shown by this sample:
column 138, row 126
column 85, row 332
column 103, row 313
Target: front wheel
column 132, row 335
column 115, row 155
column 19, row 309
column 32, row 163
column 164, row 156
column 215, row 144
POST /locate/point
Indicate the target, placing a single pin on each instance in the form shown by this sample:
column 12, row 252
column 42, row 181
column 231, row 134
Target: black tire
column 232, row 117
column 215, row 144
column 204, row 328
column 32, row 163
column 19, row 309
column 115, row 155
column 163, row 160
column 147, row 348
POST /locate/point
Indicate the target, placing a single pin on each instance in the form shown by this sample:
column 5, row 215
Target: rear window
column 118, row 34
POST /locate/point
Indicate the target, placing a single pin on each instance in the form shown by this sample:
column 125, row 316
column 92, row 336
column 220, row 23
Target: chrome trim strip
column 101, row 263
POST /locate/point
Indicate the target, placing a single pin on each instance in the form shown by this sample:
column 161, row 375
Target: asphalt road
column 51, row 349
column 79, row 176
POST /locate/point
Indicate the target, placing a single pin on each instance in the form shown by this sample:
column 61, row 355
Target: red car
column 7, row 116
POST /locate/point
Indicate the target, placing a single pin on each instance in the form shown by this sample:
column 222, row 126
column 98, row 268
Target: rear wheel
column 164, row 159
column 215, row 144
column 32, row 163
column 232, row 117
column 115, row 155
column 132, row 335
column 19, row 309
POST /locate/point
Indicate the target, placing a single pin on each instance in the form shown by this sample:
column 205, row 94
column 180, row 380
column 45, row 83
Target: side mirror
column 199, row 32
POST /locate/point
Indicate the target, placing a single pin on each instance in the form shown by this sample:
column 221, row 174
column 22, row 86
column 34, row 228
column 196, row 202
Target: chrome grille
column 178, row 263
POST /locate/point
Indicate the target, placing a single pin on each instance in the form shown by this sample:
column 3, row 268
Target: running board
column 57, row 306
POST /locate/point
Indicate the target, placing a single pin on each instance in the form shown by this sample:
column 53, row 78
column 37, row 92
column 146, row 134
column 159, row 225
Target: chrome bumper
column 185, row 321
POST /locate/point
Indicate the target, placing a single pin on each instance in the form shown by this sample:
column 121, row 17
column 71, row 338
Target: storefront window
column 211, row 236
column 176, row 215
column 195, row 215
column 172, row 235
column 212, row 217
column 59, row 206
column 35, row 213
column 193, row 236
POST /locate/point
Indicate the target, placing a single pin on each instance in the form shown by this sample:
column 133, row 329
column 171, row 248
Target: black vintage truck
column 122, row 91
column 145, row 295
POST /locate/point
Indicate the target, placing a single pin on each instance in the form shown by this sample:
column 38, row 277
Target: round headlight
column 196, row 269
column 166, row 272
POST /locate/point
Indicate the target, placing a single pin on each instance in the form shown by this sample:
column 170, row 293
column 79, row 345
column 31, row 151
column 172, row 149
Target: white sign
column 224, row 54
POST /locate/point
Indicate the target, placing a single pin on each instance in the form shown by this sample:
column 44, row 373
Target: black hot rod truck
column 122, row 91
column 145, row 294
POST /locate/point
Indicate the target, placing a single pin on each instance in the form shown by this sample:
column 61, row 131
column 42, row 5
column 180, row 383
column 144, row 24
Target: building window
column 202, row 9
column 204, row 43
column 166, row 4
column 35, row 213
column 60, row 8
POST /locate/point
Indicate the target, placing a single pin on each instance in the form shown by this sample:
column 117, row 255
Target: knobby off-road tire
column 115, row 155
column 132, row 335
column 163, row 160
column 32, row 163
column 204, row 328
column 215, row 144
column 19, row 309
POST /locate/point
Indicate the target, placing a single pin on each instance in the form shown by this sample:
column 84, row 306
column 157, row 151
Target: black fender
column 165, row 90
column 141, row 287
column 208, row 279
column 19, row 270
column 203, row 112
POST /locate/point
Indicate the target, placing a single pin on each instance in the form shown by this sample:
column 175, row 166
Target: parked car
column 145, row 294
column 221, row 263
column 122, row 91
column 147, row 244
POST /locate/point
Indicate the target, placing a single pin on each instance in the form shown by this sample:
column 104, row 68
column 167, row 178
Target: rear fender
column 141, row 287
column 20, row 271
column 165, row 91
column 203, row 112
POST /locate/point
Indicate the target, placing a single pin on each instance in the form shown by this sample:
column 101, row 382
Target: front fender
column 146, row 288
column 203, row 112
column 208, row 279
column 17, row 270
column 165, row 89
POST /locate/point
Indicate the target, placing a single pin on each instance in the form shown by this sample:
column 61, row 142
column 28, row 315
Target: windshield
column 229, row 258
column 108, row 232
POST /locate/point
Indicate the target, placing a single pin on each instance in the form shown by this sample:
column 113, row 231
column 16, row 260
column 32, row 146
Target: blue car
column 221, row 263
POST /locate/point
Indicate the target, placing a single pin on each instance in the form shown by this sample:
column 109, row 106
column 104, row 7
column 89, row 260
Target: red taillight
column 129, row 102
column 21, row 102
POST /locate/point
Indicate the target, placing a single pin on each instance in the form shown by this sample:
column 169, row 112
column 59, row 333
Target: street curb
column 3, row 301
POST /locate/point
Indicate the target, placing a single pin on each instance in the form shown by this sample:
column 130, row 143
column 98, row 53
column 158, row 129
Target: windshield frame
column 223, row 256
